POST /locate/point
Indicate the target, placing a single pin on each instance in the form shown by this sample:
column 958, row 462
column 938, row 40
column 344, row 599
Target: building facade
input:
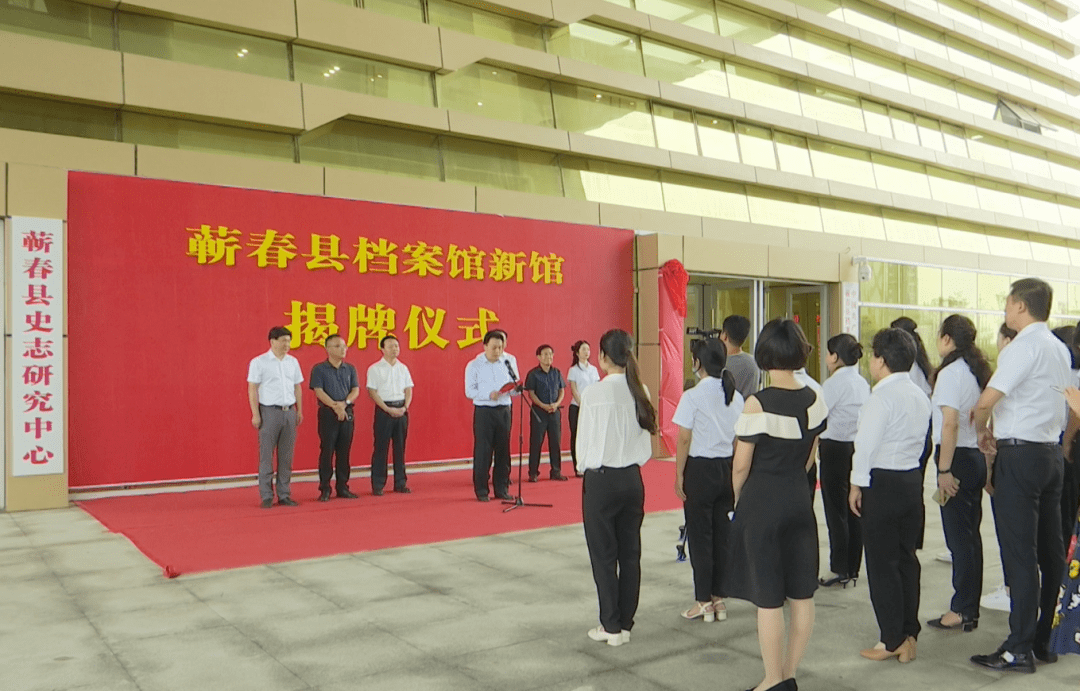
column 844, row 162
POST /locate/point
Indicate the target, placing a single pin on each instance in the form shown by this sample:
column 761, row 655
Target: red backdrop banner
column 173, row 287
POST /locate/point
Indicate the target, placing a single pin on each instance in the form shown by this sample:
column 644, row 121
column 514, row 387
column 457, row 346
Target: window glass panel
column 818, row 50
column 822, row 6
column 504, row 167
column 56, row 117
column 763, row 88
column 958, row 235
column 959, row 289
column 1039, row 206
column 872, row 320
column 952, row 188
column 612, row 183
column 904, row 128
column 1070, row 212
column 699, row 14
column 175, row 133
column 783, row 209
column 337, row 71
column 921, row 37
column 870, row 18
column 602, row 114
column 959, row 11
column 881, row 288
column 377, row 149
column 717, row 137
column 199, row 45
column 920, row 285
column 931, row 86
column 841, row 163
column 930, row 133
column 998, row 198
column 831, row 106
column 1011, row 245
column 879, row 70
column 975, row 101
column 876, row 116
column 60, row 21
column 955, row 141
column 846, row 218
column 752, row 28
column 989, row 149
column 756, row 146
column 470, row 20
column 598, row 46
column 793, row 153
column 900, row 176
column 966, row 55
column 992, row 291
column 1029, row 160
column 684, row 68
column 1064, row 169
column 497, row 93
column 675, row 129
column 701, row 197
column 910, row 228
column 405, row 9
column 1054, row 254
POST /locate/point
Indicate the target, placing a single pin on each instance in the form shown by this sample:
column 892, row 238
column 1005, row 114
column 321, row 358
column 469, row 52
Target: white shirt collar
column 1031, row 329
column 894, row 377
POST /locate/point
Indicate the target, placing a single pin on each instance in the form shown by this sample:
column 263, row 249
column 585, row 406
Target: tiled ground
column 82, row 609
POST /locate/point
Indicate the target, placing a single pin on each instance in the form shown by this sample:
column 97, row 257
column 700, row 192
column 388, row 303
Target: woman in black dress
column 774, row 543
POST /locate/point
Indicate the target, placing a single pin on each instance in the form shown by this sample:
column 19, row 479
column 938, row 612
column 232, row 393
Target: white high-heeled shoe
column 703, row 610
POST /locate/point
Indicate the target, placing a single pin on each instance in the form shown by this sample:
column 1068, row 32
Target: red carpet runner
column 207, row 530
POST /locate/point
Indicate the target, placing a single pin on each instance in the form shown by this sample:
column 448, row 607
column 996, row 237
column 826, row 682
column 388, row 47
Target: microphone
column 510, row 370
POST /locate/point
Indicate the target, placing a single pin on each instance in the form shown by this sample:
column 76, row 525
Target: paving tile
column 94, row 673
column 349, row 582
column 32, row 604
column 474, row 632
column 412, row 678
column 617, row 680
column 531, row 665
column 124, row 625
column 109, row 553
column 166, row 593
column 219, row 658
column 138, row 576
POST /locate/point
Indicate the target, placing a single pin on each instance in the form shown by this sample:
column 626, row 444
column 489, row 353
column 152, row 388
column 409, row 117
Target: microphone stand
column 517, row 501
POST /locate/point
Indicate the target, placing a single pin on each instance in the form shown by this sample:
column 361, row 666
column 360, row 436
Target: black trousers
column 542, row 423
column 811, row 481
column 572, row 416
column 1070, row 493
column 335, row 443
column 709, row 498
column 491, row 438
column 960, row 519
column 845, row 528
column 1027, row 495
column 924, row 460
column 613, row 507
column 388, row 428
column 892, row 520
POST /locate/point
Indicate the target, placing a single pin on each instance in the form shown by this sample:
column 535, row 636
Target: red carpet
column 207, row 530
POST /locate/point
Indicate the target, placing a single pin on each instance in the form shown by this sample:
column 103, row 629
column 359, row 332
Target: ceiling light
column 479, row 103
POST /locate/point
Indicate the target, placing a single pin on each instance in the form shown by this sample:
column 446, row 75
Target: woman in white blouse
column 581, row 376
column 613, row 443
column 961, row 466
column 844, row 391
column 706, row 417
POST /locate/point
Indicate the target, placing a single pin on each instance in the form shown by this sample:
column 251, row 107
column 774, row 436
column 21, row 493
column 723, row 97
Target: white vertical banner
column 36, row 391
column 849, row 309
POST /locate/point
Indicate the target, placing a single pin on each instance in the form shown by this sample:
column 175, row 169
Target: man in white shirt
column 390, row 386
column 1025, row 398
column 488, row 384
column 276, row 401
column 886, row 492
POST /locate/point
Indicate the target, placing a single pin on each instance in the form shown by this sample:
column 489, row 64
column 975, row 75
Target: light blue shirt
column 1028, row 371
column 482, row 377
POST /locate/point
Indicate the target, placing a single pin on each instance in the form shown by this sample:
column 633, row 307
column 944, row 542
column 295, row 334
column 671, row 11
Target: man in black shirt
column 336, row 387
column 546, row 390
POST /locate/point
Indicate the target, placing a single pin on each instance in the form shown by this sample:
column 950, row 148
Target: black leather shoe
column 287, row 501
column 403, row 490
column 1023, row 663
column 266, row 503
column 534, row 478
column 483, row 497
column 558, row 476
column 324, row 495
column 377, row 492
column 505, row 496
column 1044, row 654
column 966, row 624
column 346, row 494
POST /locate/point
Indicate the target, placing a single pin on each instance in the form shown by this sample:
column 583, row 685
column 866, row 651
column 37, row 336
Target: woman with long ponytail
column 961, row 466
column 845, row 392
column 581, row 376
column 921, row 373
column 614, row 429
column 706, row 417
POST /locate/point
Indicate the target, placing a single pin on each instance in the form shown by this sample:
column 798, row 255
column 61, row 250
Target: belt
column 609, row 469
column 1022, row 442
column 395, row 404
column 278, row 407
